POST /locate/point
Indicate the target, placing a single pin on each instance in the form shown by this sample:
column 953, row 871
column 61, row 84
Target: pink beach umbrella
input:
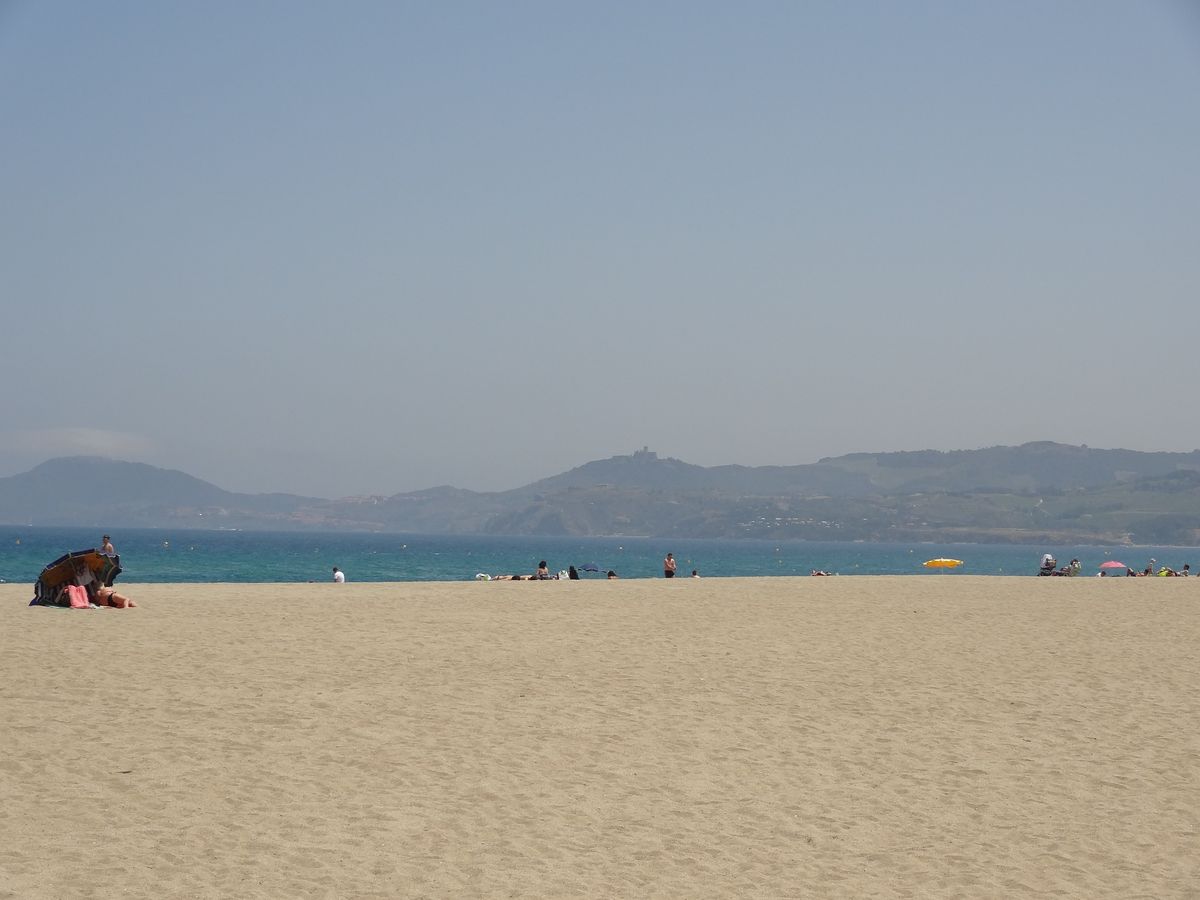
column 1113, row 564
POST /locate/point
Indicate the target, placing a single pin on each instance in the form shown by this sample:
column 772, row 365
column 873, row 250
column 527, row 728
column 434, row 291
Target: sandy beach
column 928, row 736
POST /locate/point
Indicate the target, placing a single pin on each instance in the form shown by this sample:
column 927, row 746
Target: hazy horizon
column 332, row 251
column 545, row 475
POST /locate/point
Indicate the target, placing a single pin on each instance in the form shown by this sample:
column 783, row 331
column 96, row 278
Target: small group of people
column 1049, row 566
column 1163, row 571
column 543, row 573
column 84, row 589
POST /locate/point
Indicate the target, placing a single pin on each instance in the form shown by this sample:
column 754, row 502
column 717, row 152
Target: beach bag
column 79, row 596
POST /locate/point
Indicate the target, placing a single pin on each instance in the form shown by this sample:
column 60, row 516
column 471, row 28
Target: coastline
column 214, row 557
column 840, row 737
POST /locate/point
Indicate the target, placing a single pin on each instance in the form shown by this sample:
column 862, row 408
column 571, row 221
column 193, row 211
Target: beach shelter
column 106, row 568
column 942, row 563
column 1113, row 564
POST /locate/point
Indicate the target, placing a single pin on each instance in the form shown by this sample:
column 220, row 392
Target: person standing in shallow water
column 338, row 577
column 669, row 566
column 106, row 546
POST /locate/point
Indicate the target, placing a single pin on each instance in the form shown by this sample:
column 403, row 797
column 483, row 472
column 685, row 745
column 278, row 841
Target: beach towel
column 79, row 596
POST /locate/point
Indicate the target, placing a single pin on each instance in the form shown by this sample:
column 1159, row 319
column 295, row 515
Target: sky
column 363, row 248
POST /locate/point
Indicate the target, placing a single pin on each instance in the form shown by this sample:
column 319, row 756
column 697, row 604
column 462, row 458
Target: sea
column 175, row 556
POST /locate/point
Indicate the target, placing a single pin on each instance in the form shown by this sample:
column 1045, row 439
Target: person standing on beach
column 669, row 566
column 338, row 577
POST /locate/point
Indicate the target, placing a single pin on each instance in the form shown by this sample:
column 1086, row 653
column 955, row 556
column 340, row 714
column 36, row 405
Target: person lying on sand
column 98, row 593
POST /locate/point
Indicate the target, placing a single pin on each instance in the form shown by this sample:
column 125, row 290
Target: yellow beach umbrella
column 942, row 563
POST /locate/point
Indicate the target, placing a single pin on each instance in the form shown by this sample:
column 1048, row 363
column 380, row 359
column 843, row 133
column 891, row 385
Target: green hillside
column 1032, row 493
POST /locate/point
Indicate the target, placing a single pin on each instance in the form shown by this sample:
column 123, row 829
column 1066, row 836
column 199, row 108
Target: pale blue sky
column 371, row 247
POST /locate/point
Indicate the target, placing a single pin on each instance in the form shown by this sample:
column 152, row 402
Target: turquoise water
column 248, row 557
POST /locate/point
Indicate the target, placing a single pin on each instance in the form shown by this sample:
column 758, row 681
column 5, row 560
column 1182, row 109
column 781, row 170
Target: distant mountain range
column 1031, row 493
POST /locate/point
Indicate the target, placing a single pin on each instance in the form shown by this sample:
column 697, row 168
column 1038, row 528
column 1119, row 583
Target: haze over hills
column 1028, row 493
column 89, row 489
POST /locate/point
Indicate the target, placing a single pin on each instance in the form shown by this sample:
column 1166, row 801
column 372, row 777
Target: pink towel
column 78, row 595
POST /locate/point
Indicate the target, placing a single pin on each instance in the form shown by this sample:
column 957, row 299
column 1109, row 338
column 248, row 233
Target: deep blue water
column 249, row 556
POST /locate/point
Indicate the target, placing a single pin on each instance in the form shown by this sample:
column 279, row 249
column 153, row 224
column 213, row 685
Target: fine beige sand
column 924, row 736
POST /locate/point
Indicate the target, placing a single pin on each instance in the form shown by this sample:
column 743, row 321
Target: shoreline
column 126, row 586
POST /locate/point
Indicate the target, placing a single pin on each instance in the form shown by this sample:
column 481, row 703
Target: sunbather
column 98, row 593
